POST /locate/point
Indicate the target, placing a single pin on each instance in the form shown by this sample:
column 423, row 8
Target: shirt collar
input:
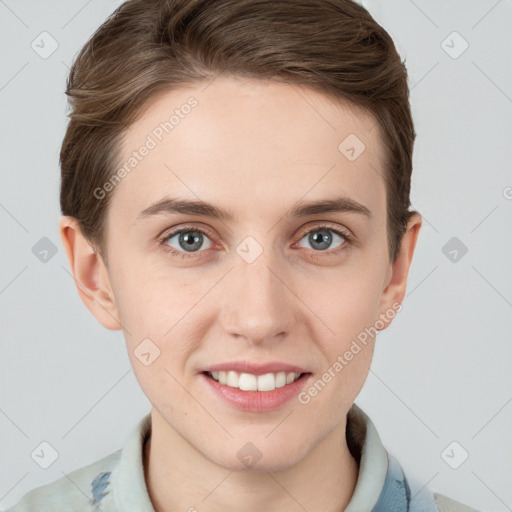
column 366, row 447
column 130, row 491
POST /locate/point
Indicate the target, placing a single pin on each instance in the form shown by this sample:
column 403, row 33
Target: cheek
column 346, row 300
column 348, row 308
column 149, row 297
column 350, row 313
column 156, row 306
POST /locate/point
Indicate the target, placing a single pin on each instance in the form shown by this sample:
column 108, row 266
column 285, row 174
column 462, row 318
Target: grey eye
column 321, row 238
column 189, row 240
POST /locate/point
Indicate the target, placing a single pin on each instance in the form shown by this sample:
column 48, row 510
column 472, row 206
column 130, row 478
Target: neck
column 178, row 477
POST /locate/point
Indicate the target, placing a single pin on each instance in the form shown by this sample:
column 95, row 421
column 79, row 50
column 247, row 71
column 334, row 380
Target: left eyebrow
column 169, row 206
column 335, row 205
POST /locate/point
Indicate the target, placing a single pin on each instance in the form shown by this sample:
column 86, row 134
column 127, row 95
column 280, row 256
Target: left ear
column 394, row 291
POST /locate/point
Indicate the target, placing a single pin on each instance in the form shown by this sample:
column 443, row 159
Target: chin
column 249, row 458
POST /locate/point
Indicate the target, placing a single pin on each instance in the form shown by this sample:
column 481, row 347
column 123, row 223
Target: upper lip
column 255, row 368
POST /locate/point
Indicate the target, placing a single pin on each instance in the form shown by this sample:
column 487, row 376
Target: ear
column 396, row 279
column 90, row 274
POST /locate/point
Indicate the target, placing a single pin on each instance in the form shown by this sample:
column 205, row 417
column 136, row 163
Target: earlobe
column 90, row 274
column 396, row 281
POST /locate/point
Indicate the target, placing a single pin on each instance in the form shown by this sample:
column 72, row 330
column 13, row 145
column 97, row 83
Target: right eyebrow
column 171, row 205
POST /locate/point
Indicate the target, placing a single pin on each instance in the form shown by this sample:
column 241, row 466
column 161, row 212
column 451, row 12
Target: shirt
column 116, row 482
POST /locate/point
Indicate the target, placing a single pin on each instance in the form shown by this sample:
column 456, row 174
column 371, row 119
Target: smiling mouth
column 251, row 382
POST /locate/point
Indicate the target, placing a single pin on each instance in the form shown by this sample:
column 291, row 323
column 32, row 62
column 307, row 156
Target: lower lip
column 257, row 401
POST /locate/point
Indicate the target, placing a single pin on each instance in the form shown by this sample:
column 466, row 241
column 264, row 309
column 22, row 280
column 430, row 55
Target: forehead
column 258, row 145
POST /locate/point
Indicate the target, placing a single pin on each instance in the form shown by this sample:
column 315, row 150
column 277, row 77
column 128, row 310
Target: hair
column 147, row 47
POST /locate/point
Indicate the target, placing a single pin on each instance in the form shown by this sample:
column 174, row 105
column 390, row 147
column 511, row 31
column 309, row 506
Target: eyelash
column 343, row 234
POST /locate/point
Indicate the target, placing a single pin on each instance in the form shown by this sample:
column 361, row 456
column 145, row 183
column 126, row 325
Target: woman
column 235, row 198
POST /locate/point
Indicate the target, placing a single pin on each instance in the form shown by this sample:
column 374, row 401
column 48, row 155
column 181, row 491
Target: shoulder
column 445, row 504
column 78, row 491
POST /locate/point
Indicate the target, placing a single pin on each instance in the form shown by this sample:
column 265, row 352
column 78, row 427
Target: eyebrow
column 302, row 209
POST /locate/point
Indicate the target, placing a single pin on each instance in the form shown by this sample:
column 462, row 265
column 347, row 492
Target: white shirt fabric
column 116, row 482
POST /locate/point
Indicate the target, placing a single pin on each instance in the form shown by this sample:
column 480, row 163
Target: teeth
column 282, row 378
column 232, row 379
column 250, row 382
column 246, row 382
column 269, row 381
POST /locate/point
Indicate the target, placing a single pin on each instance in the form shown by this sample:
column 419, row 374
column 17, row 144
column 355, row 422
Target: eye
column 189, row 241
column 186, row 240
column 321, row 238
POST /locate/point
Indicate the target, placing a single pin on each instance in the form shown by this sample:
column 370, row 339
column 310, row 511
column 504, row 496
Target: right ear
column 90, row 274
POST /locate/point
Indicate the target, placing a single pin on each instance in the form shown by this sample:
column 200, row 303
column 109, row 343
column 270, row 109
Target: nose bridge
column 257, row 304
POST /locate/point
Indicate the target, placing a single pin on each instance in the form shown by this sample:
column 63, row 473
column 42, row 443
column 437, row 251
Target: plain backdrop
column 442, row 371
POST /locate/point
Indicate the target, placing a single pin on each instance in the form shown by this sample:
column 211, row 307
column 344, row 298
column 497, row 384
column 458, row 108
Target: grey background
column 441, row 373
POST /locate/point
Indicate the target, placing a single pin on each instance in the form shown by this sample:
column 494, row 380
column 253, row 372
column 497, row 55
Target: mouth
column 250, row 382
column 262, row 391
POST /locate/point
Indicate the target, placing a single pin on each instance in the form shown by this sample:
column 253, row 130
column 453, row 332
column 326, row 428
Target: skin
column 257, row 148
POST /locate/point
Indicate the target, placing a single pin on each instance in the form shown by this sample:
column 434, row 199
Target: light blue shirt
column 116, row 483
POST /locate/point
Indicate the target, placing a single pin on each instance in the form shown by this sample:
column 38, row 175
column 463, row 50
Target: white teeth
column 250, row 382
column 266, row 382
column 247, row 382
column 232, row 379
column 282, row 379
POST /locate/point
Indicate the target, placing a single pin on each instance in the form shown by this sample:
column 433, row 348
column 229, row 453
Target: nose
column 258, row 304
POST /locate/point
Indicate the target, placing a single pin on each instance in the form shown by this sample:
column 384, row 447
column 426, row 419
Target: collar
column 366, row 447
column 381, row 484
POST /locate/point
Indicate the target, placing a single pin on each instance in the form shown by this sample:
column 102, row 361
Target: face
column 267, row 286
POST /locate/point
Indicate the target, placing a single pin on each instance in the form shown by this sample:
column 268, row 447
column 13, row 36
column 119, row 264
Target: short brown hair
column 150, row 46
